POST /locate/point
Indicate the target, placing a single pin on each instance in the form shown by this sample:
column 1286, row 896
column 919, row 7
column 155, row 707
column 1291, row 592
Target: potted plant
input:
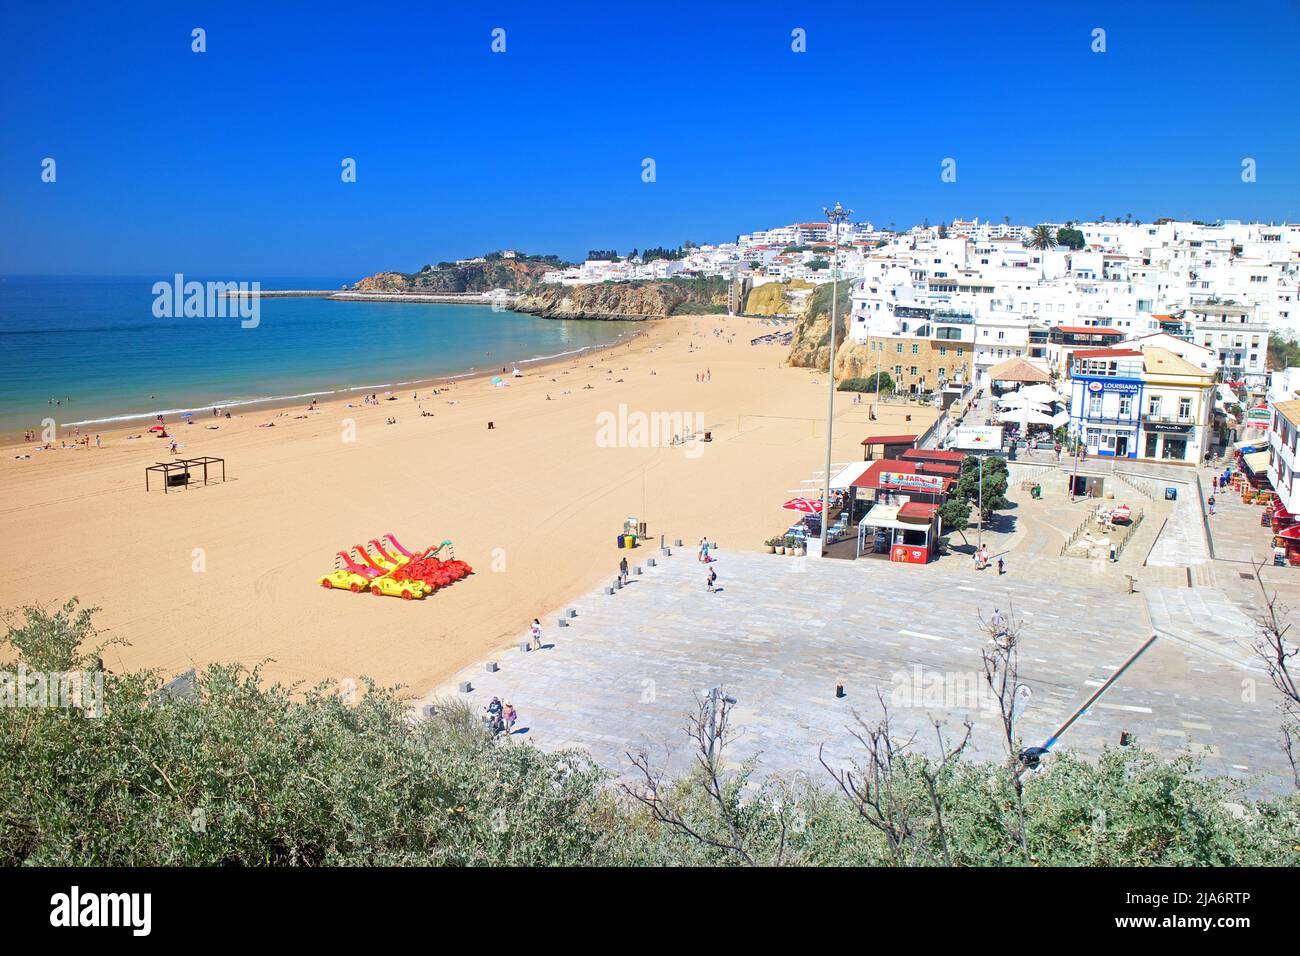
column 791, row 545
column 771, row 545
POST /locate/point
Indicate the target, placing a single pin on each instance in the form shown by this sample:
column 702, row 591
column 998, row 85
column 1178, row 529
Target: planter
column 780, row 549
column 771, row 550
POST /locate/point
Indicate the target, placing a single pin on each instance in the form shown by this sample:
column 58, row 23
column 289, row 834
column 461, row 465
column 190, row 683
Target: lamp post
column 834, row 216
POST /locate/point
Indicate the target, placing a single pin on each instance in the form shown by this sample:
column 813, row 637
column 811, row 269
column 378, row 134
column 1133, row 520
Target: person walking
column 1210, row 502
column 536, row 634
column 622, row 571
column 709, row 581
column 995, row 622
column 704, row 548
column 508, row 717
column 1000, row 567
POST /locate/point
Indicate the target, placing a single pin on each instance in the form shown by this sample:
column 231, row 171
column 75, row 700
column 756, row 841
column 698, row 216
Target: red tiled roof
column 889, row 440
column 934, row 454
column 918, row 509
column 937, row 468
column 1088, row 330
column 871, row 477
column 1104, row 353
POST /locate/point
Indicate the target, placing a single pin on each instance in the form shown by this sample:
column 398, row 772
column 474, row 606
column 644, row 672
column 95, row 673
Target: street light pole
column 834, row 216
column 980, row 543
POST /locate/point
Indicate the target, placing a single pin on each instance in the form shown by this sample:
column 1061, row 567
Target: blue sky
column 228, row 162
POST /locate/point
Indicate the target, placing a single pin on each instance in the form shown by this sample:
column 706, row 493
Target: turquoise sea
column 95, row 345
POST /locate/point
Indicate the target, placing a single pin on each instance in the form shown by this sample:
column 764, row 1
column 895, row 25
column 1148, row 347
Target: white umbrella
column 1040, row 393
column 1024, row 416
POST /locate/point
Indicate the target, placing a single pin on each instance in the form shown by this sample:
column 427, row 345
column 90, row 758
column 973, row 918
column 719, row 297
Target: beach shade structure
column 178, row 472
column 157, row 428
column 806, row 505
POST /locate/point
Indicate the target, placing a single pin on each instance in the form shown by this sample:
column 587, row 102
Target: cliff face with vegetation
column 810, row 346
column 627, row 300
column 522, row 274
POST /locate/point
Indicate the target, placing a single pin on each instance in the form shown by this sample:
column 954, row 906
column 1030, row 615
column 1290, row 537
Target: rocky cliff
column 517, row 275
column 812, row 334
column 626, row 300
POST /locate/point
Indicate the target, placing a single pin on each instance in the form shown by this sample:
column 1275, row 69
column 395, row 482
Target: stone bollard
column 650, row 562
column 571, row 612
column 666, row 552
column 609, row 590
column 636, row 569
column 525, row 647
column 491, row 667
column 618, row 583
column 562, row 622
column 464, row 687
column 677, row 543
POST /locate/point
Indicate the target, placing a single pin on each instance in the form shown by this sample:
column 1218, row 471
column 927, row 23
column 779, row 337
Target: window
column 943, row 350
column 1094, row 406
column 1125, row 406
column 913, row 370
column 916, row 349
column 1184, row 408
column 900, row 348
column 1153, row 407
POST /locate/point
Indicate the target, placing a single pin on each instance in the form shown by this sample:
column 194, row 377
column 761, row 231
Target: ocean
column 95, row 346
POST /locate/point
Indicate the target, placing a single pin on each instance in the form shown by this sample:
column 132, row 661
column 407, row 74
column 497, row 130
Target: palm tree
column 1042, row 238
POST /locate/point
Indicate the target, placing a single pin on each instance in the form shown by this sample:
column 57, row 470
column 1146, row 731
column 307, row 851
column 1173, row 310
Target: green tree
column 1073, row 238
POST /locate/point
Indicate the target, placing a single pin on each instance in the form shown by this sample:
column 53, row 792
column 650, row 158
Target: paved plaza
column 781, row 632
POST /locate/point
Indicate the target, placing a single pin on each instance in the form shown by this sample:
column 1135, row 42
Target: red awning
column 889, row 440
column 1291, row 534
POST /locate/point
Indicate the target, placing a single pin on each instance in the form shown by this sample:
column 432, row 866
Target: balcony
column 1155, row 418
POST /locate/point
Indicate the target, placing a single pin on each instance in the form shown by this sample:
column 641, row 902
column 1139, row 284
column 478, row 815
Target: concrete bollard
column 464, row 687
column 637, row 569
column 677, row 543
column 650, row 562
column 666, row 552
column 428, row 710
column 562, row 622
column 618, row 583
column 571, row 612
column 609, row 590
column 491, row 667
column 525, row 647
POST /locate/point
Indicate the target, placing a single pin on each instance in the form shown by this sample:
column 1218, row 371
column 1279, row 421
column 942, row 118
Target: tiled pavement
column 780, row 634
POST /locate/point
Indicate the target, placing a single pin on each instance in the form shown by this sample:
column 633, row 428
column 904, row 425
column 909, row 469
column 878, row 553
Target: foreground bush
column 247, row 774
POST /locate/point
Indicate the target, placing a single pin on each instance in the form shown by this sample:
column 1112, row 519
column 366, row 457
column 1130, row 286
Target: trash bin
column 621, row 541
column 1171, row 494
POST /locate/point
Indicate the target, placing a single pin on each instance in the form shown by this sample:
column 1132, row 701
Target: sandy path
column 534, row 504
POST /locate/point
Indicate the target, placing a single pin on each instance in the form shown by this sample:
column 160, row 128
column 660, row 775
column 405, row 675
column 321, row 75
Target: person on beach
column 536, row 631
column 704, row 546
column 710, row 580
column 1210, row 502
column 622, row 571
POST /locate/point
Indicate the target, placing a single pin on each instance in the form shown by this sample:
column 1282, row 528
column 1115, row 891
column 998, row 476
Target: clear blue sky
column 227, row 163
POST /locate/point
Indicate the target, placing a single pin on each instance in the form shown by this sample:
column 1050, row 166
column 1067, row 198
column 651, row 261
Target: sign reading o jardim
column 894, row 479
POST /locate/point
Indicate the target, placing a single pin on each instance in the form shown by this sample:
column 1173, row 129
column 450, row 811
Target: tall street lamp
column 834, row 216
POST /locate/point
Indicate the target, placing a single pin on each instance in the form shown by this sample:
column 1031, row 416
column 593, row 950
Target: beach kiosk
column 901, row 518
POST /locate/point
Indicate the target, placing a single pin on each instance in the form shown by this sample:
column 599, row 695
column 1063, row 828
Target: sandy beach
column 228, row 572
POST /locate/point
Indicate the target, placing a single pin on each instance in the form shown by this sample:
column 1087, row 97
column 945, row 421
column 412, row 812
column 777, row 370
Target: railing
column 1168, row 419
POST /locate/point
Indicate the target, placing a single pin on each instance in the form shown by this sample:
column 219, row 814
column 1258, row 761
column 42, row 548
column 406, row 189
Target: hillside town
column 1163, row 326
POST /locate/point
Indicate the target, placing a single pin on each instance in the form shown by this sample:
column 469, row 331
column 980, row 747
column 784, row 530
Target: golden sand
column 228, row 572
